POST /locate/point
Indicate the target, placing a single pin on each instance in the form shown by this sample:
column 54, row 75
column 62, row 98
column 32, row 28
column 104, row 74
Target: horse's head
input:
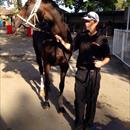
column 46, row 11
column 24, row 13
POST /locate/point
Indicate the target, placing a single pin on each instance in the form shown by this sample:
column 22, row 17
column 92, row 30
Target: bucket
column 9, row 29
column 29, row 31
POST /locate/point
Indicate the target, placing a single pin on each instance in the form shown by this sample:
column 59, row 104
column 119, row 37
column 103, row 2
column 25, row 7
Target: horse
column 49, row 51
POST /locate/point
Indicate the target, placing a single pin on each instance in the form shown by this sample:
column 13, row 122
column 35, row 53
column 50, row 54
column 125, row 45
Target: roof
column 4, row 11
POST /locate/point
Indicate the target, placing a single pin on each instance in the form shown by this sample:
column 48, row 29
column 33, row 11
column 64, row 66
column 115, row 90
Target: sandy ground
column 20, row 105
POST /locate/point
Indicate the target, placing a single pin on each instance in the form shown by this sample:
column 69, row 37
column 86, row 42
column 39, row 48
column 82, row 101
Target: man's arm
column 104, row 48
column 99, row 63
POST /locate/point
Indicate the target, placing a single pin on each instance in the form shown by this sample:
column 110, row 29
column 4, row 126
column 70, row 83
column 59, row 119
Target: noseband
column 34, row 15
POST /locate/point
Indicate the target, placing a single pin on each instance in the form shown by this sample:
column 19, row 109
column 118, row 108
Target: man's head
column 91, row 16
column 91, row 20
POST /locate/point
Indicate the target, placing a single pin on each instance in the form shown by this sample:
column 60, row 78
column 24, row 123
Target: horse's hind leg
column 61, row 87
column 42, row 86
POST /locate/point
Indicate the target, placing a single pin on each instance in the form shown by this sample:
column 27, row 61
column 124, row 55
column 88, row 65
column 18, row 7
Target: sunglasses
column 91, row 17
column 87, row 21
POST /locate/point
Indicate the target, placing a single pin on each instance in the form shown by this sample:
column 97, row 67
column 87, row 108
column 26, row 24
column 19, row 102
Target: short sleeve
column 76, row 42
column 105, row 50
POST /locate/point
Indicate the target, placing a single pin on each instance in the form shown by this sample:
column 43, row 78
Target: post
column 128, row 18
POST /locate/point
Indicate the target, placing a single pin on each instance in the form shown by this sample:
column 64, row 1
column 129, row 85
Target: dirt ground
column 20, row 104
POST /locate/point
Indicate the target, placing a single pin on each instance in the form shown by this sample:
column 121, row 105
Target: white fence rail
column 121, row 45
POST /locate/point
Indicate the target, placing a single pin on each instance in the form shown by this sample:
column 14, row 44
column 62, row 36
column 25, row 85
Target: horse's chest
column 61, row 56
column 53, row 54
column 59, row 53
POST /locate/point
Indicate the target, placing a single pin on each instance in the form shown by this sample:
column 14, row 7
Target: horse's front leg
column 47, row 85
column 40, row 64
column 61, row 87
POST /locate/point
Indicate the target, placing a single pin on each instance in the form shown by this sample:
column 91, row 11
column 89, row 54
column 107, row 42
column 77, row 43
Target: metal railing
column 121, row 45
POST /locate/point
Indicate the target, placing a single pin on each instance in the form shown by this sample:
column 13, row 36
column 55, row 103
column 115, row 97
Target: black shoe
column 79, row 128
column 87, row 128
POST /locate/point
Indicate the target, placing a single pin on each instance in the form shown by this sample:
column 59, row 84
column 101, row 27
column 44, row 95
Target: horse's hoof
column 42, row 93
column 62, row 110
column 46, row 105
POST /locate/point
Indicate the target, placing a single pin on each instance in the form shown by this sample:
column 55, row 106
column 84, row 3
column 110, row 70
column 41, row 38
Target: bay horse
column 49, row 52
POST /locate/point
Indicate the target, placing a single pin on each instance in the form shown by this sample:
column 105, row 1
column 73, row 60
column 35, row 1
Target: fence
column 121, row 45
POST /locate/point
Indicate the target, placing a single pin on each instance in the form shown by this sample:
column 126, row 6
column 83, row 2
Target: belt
column 85, row 68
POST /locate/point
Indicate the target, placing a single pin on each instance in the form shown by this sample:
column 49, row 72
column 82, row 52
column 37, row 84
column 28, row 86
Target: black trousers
column 87, row 84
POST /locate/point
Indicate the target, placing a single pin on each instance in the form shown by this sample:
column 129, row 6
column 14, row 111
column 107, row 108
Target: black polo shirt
column 90, row 48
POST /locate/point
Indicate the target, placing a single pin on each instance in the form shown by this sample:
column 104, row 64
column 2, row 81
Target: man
column 94, row 53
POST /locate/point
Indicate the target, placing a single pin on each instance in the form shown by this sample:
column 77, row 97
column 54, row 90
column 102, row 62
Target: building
column 108, row 20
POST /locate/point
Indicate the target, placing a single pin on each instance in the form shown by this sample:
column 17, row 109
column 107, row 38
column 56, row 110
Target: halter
column 32, row 14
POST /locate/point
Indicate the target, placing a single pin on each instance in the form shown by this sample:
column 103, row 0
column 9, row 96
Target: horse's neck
column 52, row 14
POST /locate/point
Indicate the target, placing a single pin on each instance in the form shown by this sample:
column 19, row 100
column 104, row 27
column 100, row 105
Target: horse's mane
column 52, row 2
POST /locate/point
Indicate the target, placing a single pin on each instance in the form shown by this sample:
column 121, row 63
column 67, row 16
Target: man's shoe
column 78, row 127
column 88, row 128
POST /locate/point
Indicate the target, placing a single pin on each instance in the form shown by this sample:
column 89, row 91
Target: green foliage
column 87, row 5
column 127, row 3
column 69, row 2
column 105, row 5
column 121, row 4
column 19, row 4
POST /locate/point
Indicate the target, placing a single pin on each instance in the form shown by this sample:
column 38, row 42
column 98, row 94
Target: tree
column 121, row 4
column 85, row 5
column 1, row 2
column 19, row 3
column 127, row 3
column 91, row 4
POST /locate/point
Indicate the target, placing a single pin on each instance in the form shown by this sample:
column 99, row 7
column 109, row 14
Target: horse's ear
column 31, row 1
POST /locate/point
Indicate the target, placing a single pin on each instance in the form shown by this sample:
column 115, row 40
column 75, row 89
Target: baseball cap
column 91, row 16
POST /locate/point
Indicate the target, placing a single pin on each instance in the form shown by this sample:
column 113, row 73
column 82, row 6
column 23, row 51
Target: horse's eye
column 27, row 4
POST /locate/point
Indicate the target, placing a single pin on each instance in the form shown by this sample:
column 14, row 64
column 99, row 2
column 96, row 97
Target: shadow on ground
column 32, row 77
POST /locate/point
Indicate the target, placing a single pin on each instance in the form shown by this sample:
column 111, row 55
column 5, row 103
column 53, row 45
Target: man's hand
column 98, row 63
column 58, row 38
column 65, row 44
